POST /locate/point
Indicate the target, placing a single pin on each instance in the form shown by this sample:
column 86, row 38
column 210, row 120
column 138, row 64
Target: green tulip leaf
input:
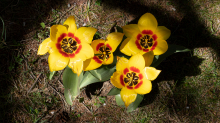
column 51, row 75
column 71, row 84
column 119, row 101
column 114, row 91
column 171, row 50
column 136, row 103
column 98, row 75
column 95, row 74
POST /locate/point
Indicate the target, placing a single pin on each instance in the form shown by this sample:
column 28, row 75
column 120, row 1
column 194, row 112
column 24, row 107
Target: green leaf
column 118, row 100
column 136, row 103
column 95, row 74
column 171, row 50
column 114, row 91
column 71, row 84
column 119, row 29
column 102, row 99
column 42, row 25
column 99, row 75
column 97, row 36
column 51, row 75
column 98, row 2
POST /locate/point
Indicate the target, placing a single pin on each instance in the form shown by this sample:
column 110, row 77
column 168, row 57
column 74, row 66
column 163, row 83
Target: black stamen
column 135, row 82
column 150, row 44
column 106, row 56
column 133, row 74
column 151, row 40
column 126, row 80
column 108, row 52
column 143, row 43
column 128, row 75
column 130, row 84
column 107, row 49
column 74, row 43
column 148, row 36
column 142, row 40
column 70, row 40
column 70, row 50
column 145, row 46
column 101, row 49
column 64, row 41
column 74, row 47
column 136, row 77
column 66, row 50
column 64, row 46
column 101, row 56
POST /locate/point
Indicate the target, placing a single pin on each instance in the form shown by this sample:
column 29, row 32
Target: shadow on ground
column 189, row 31
column 20, row 18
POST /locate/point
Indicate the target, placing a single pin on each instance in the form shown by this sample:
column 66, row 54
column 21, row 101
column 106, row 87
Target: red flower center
column 68, row 45
column 132, row 79
column 104, row 52
column 146, row 41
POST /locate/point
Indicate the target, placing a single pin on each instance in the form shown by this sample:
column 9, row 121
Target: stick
column 34, row 83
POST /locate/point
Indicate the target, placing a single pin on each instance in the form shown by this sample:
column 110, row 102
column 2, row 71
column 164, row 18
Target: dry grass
column 186, row 91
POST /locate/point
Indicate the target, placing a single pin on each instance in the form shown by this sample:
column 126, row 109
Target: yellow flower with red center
column 68, row 45
column 103, row 50
column 133, row 78
column 146, row 38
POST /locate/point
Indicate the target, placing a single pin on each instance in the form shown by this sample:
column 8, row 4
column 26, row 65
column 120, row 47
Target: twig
column 86, row 107
column 34, row 83
column 60, row 82
column 14, row 84
column 31, row 72
column 63, row 100
column 20, row 83
column 173, row 103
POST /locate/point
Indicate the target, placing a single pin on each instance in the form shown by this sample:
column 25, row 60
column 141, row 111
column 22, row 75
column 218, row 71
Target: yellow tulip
column 68, row 45
column 146, row 38
column 133, row 78
column 103, row 50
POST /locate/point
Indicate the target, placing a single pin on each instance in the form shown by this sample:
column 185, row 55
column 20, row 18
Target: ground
column 187, row 90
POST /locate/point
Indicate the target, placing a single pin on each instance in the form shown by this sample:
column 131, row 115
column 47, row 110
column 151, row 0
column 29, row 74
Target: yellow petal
column 136, row 63
column 130, row 30
column 57, row 61
column 148, row 58
column 96, row 44
column 70, row 23
column 113, row 40
column 109, row 60
column 116, row 80
column 45, row 46
column 143, row 87
column 128, row 96
column 85, row 34
column 128, row 47
column 162, row 33
column 121, row 64
column 58, row 31
column 53, row 32
column 151, row 73
column 147, row 22
column 53, row 48
column 90, row 64
column 86, row 52
column 161, row 47
column 76, row 65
